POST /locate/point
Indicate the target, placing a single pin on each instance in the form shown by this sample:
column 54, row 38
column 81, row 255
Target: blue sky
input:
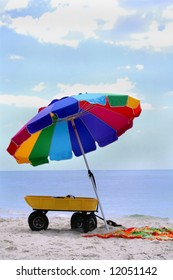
column 53, row 48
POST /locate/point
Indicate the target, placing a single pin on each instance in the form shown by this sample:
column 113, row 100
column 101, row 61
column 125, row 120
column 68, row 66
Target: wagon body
column 63, row 203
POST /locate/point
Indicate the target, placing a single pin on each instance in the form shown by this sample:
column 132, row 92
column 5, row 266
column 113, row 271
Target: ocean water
column 122, row 193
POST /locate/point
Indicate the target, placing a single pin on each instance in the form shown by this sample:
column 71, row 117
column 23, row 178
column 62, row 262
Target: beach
column 60, row 242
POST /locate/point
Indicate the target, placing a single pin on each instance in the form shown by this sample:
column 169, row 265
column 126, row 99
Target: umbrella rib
column 88, row 106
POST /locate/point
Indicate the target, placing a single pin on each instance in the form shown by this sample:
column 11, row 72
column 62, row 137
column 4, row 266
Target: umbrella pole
column 89, row 172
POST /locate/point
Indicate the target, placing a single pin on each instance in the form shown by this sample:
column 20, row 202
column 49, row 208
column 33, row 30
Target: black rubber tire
column 77, row 220
column 37, row 221
column 90, row 223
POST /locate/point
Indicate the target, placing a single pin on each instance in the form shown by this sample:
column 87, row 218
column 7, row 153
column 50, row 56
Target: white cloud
column 17, row 4
column 121, row 86
column 127, row 67
column 139, row 67
column 70, row 22
column 15, row 57
column 23, row 101
column 155, row 38
column 93, row 10
column 2, row 23
column 147, row 106
column 39, row 87
column 168, row 12
column 170, row 93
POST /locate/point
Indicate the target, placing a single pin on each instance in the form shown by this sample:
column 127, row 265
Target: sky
column 54, row 48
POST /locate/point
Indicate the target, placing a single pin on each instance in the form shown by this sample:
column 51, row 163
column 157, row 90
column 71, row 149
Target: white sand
column 59, row 242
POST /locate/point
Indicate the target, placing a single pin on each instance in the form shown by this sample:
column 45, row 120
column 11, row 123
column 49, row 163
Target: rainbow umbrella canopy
column 50, row 135
column 74, row 125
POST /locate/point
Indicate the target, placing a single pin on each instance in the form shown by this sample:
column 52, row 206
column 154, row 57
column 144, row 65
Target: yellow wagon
column 83, row 208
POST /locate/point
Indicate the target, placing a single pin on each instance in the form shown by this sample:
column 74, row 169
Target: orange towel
column 146, row 232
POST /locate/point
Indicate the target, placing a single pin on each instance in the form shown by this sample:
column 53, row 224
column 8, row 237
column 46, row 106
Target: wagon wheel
column 90, row 222
column 77, row 220
column 37, row 220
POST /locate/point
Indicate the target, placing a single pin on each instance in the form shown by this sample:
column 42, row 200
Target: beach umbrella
column 74, row 125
